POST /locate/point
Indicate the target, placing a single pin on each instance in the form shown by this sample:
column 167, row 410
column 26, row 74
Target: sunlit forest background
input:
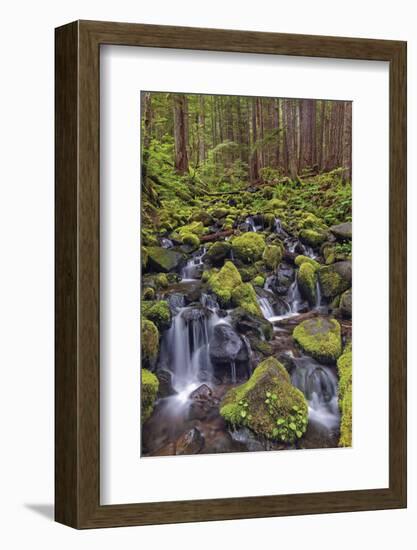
column 246, row 241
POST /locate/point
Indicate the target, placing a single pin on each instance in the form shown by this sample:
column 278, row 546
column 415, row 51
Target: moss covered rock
column 223, row 282
column 201, row 216
column 244, row 296
column 218, row 252
column 275, row 204
column 268, row 404
column 346, row 304
column 344, row 367
column 312, row 238
column 148, row 392
column 144, row 257
column 307, row 282
column 158, row 312
column 299, row 260
column 149, row 341
column 148, row 293
column 335, row 279
column 320, row 338
column 195, row 228
column 272, row 256
column 161, row 280
column 163, row 259
column 191, row 240
column 258, row 281
column 249, row 247
column 343, row 231
column 248, row 273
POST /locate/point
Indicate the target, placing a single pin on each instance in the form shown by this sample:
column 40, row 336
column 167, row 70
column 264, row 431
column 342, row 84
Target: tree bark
column 180, row 133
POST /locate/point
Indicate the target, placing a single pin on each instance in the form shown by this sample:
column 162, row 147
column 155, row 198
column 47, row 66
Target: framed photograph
column 230, row 274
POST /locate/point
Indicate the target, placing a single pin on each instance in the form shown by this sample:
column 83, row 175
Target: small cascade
column 318, row 295
column 294, row 298
column 319, row 385
column 166, row 243
column 193, row 268
column 266, row 307
column 251, row 224
column 308, row 251
column 185, row 344
column 278, row 229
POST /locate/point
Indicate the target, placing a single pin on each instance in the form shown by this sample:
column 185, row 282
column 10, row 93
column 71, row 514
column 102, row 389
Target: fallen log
column 215, row 236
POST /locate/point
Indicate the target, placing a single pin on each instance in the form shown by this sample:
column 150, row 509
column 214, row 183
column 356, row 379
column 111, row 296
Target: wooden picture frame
column 77, row 405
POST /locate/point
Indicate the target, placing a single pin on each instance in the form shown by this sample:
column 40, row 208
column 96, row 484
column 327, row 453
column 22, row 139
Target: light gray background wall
column 26, row 274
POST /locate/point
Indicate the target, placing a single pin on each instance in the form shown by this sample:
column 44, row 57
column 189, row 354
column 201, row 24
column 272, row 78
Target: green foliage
column 268, row 404
column 148, row 293
column 320, row 338
column 158, row 312
column 149, row 390
column 344, row 367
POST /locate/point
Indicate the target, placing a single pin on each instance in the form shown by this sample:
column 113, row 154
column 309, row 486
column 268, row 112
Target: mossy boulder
column 310, row 221
column 342, row 231
column 320, row 338
column 258, row 281
column 244, row 296
column 335, row 279
column 275, row 204
column 195, row 228
column 158, row 312
column 148, row 393
column 312, row 238
column 268, row 404
column 218, row 252
column 248, row 273
column 163, row 259
column 272, row 256
column 307, row 282
column 201, row 216
column 148, row 293
column 191, row 240
column 149, row 341
column 299, row 260
column 161, row 280
column 251, row 325
column 219, row 213
column 344, row 368
column 346, row 304
column 249, row 247
column 223, row 282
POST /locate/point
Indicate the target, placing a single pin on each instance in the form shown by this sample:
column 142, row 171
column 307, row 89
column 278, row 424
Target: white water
column 266, row 307
column 318, row 295
column 319, row 385
column 191, row 269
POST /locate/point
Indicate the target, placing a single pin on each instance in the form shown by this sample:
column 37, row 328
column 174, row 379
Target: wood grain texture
column 78, row 284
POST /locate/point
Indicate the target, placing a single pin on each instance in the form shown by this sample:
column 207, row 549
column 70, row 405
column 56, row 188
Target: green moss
column 320, row 338
column 249, row 247
column 307, row 282
column 299, row 260
column 346, row 304
column 258, row 281
column 244, row 296
column 161, row 280
column 331, row 282
column 344, row 367
column 223, row 282
column 148, row 293
column 312, row 238
column 190, row 239
column 310, row 221
column 163, row 259
column 268, row 404
column 329, row 253
column 149, row 390
column 201, row 216
column 248, row 273
column 205, row 276
column 149, row 341
column 195, row 228
column 157, row 312
column 275, row 204
column 272, row 256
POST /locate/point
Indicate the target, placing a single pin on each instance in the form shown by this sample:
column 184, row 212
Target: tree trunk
column 201, row 128
column 180, row 133
column 347, row 141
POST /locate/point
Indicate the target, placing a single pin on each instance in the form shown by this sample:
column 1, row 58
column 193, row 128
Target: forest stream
column 246, row 304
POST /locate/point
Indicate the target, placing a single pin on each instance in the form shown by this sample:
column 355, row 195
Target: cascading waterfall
column 194, row 265
column 318, row 295
column 294, row 298
column 185, row 346
column 251, row 224
column 319, row 385
column 266, row 307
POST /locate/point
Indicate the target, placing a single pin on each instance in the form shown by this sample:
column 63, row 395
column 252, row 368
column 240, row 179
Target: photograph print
column 246, row 274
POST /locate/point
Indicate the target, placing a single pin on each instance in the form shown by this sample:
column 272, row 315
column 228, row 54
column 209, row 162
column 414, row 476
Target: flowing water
column 194, row 266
